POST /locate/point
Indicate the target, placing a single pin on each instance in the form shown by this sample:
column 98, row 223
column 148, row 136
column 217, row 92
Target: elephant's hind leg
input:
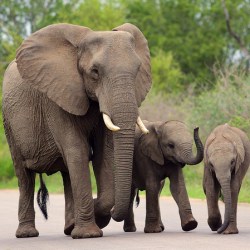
column 26, row 213
column 26, row 183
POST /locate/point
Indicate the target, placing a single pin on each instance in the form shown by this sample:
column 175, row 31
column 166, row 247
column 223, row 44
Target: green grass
column 9, row 184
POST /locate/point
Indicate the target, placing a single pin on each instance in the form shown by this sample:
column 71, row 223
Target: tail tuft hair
column 43, row 197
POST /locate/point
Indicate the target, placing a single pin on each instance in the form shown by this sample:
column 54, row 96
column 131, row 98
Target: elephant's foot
column 26, row 230
column 153, row 228
column 214, row 223
column 69, row 226
column 231, row 229
column 129, row 227
column 102, row 221
column 89, row 231
column 189, row 225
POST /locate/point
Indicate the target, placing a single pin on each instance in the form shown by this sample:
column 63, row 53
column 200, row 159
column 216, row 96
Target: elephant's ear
column 150, row 146
column 47, row 61
column 239, row 147
column 143, row 79
column 240, row 155
column 209, row 140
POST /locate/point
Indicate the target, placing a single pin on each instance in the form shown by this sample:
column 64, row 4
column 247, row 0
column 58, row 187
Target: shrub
column 228, row 102
column 6, row 166
column 166, row 73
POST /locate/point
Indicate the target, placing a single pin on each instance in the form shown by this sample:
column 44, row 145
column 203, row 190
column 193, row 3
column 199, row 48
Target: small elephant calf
column 163, row 153
column 226, row 158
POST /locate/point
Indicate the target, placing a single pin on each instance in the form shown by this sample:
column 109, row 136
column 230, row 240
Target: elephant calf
column 226, row 158
column 163, row 153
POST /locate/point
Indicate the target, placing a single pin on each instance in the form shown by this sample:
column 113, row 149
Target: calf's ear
column 150, row 146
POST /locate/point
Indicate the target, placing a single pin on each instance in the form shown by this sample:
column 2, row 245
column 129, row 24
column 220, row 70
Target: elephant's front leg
column 103, row 169
column 153, row 217
column 77, row 162
column 26, row 212
column 212, row 190
column 69, row 204
column 179, row 193
column 129, row 223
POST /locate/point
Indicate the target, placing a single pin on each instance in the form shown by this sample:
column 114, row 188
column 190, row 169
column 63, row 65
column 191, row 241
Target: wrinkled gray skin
column 64, row 77
column 160, row 154
column 226, row 158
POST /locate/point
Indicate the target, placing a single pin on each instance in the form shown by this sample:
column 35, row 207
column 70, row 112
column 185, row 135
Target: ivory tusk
column 142, row 126
column 109, row 124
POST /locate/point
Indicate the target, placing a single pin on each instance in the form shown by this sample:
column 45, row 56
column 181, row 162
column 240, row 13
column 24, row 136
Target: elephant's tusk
column 142, row 126
column 109, row 124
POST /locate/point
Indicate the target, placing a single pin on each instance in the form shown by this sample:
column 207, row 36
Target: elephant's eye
column 171, row 145
column 94, row 73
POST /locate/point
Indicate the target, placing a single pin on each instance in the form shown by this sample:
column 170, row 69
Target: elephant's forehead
column 175, row 129
column 109, row 36
column 224, row 147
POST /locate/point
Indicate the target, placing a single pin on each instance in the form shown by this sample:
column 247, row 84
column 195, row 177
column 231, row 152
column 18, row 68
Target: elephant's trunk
column 123, row 148
column 188, row 156
column 124, row 115
column 225, row 186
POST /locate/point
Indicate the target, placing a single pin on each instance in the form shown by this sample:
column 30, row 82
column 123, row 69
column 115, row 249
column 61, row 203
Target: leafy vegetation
column 227, row 102
column 200, row 71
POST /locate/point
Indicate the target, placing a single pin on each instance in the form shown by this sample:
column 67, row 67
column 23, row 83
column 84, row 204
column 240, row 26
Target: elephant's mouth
column 176, row 163
column 179, row 163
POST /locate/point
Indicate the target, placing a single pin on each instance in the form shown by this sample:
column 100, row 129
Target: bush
column 228, row 102
column 6, row 166
column 166, row 73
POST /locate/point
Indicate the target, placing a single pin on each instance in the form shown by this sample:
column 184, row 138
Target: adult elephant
column 54, row 94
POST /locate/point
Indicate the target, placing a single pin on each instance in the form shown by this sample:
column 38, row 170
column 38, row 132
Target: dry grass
column 157, row 107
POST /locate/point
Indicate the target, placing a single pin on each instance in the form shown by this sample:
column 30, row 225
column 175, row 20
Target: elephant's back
column 11, row 79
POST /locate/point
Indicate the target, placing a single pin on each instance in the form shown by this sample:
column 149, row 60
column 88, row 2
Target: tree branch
column 243, row 47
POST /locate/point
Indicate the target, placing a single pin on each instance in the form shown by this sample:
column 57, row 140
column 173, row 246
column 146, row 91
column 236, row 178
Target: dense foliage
column 187, row 40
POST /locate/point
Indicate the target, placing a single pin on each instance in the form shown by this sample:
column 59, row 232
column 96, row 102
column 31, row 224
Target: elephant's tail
column 137, row 199
column 42, row 197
